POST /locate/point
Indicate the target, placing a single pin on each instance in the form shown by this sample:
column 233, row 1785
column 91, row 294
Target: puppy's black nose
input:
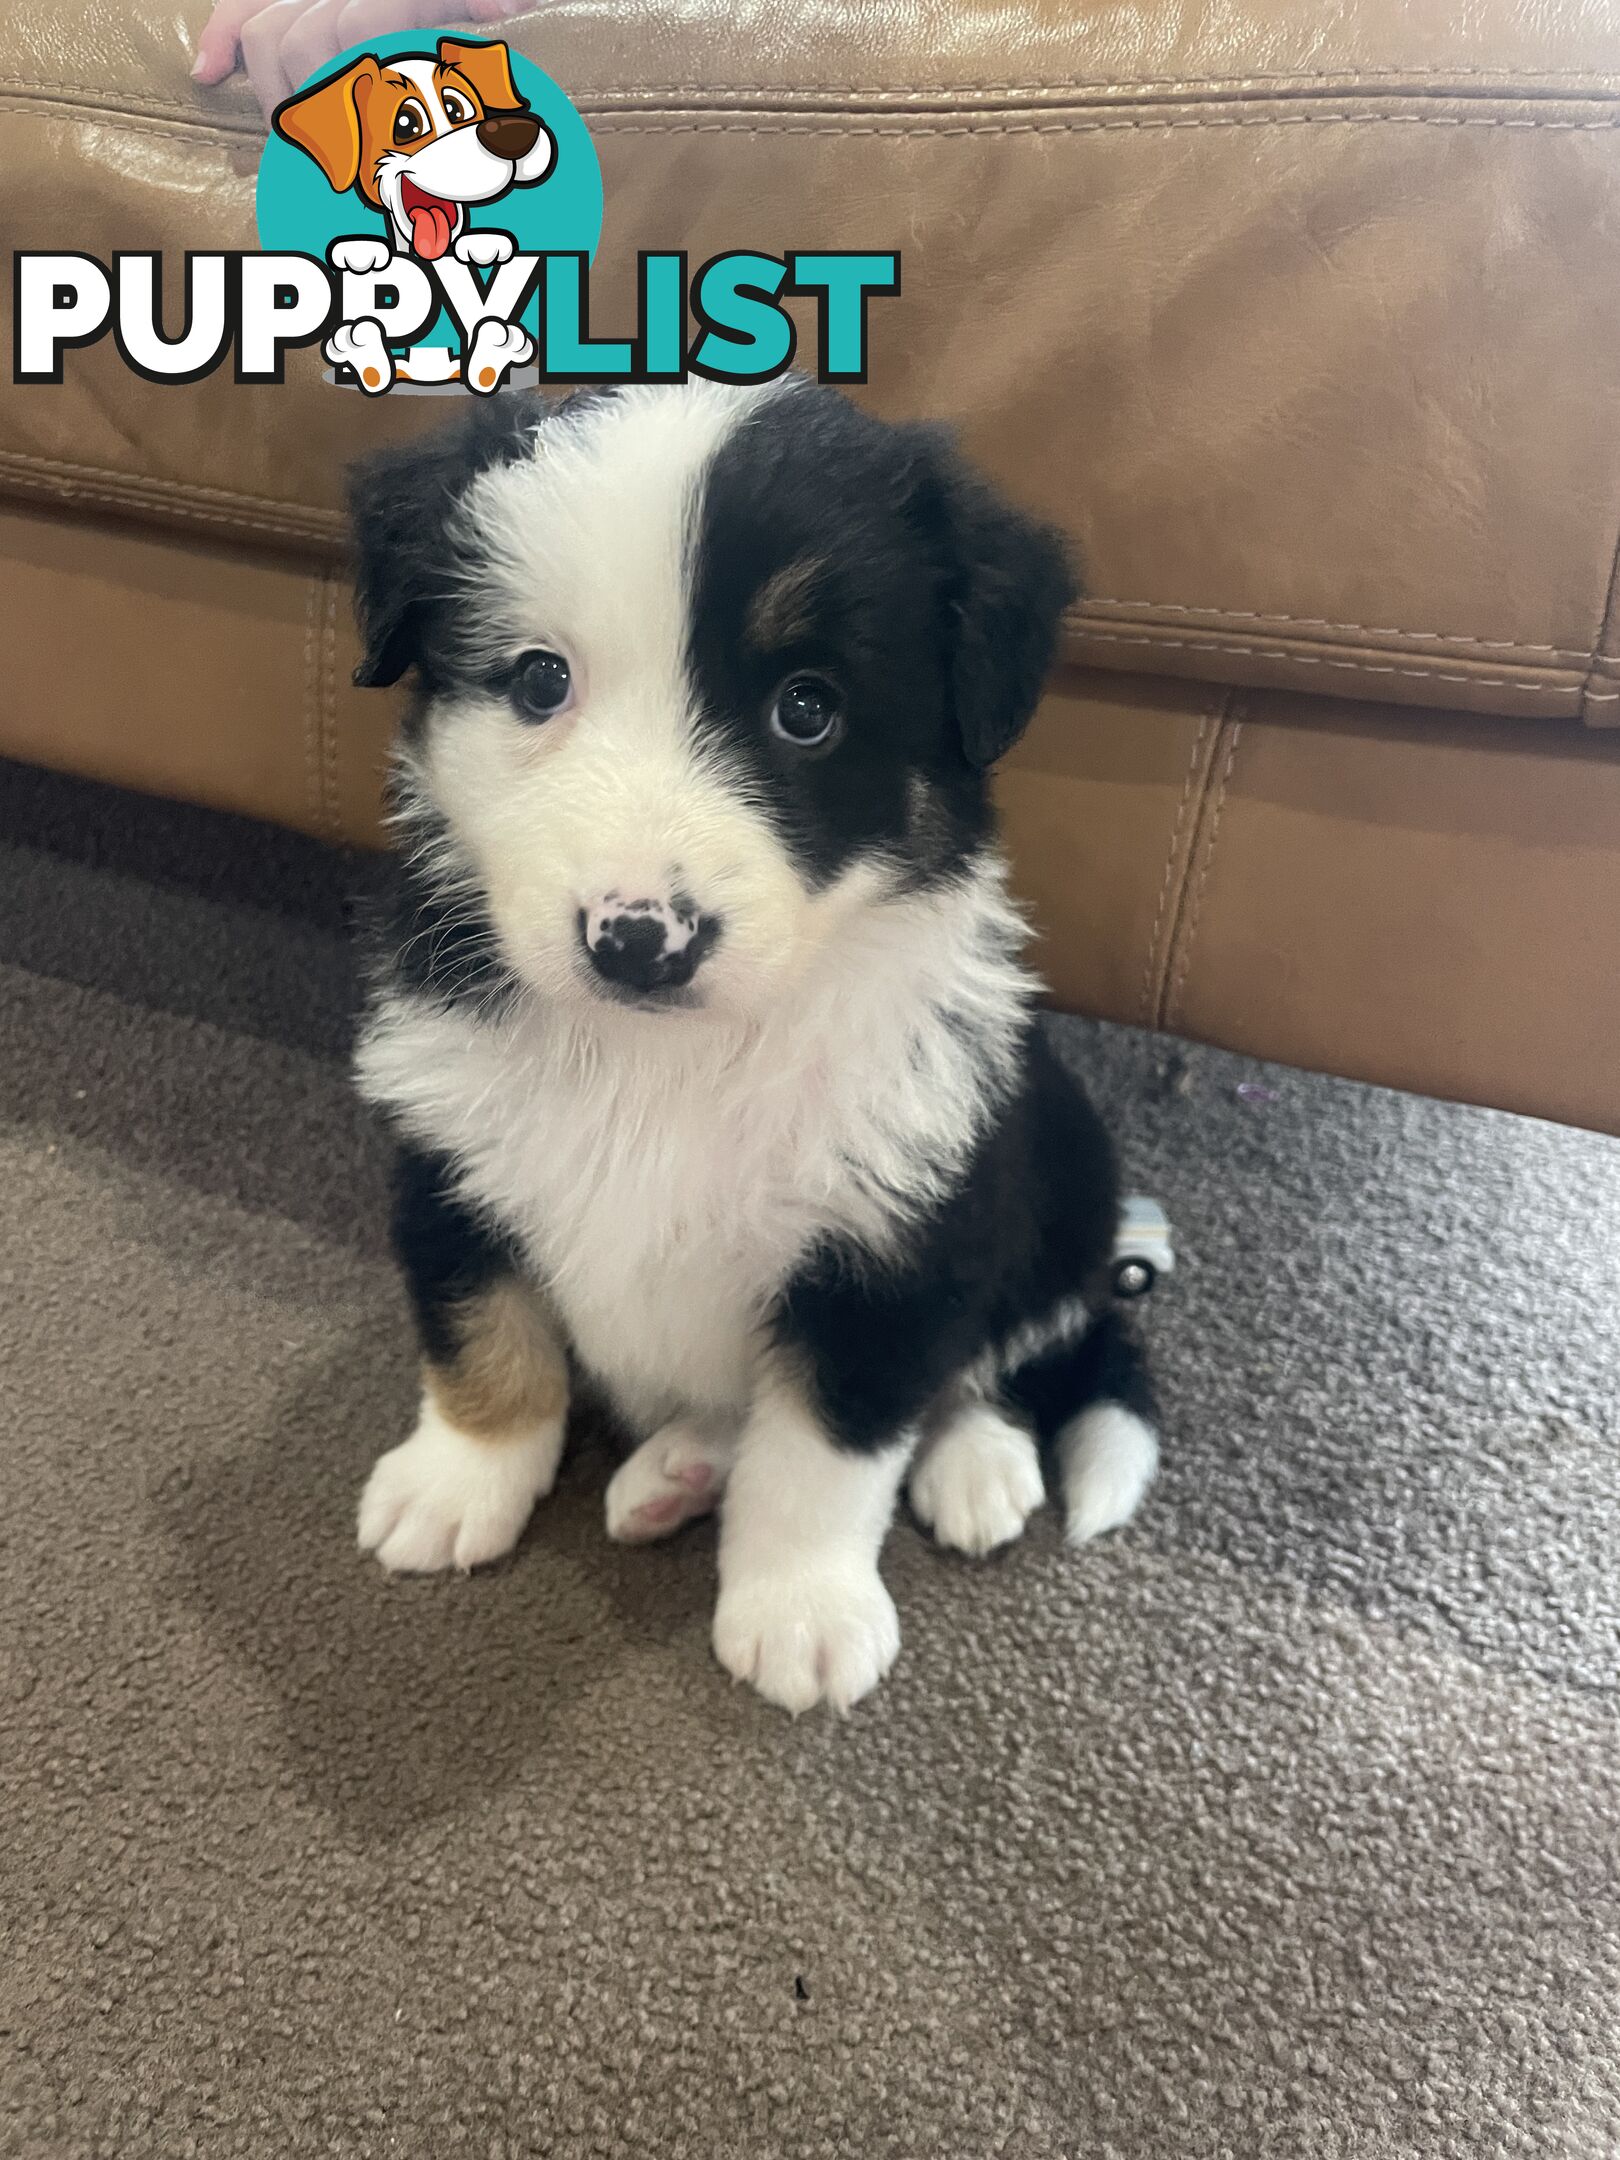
column 646, row 945
column 509, row 135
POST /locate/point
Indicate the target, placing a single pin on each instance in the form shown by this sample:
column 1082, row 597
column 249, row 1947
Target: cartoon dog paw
column 496, row 348
column 485, row 249
column 361, row 346
column 359, row 257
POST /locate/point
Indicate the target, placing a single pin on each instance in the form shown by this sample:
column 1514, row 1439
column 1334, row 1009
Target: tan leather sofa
column 1304, row 321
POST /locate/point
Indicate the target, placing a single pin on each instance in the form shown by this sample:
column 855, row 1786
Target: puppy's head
column 709, row 676
column 421, row 136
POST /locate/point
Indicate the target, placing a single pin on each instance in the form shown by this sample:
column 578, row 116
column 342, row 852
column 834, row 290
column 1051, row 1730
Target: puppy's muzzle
column 509, row 135
column 646, row 946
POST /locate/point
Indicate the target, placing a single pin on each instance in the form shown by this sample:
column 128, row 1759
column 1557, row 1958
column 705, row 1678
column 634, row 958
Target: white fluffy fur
column 977, row 1481
column 1106, row 1458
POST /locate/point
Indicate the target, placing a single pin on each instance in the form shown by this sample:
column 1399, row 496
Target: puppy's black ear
column 401, row 504
column 1009, row 579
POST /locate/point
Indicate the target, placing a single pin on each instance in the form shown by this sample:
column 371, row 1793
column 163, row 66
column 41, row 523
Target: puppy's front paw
column 828, row 1635
column 979, row 1482
column 444, row 1499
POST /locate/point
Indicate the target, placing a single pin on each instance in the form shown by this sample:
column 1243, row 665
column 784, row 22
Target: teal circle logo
column 422, row 141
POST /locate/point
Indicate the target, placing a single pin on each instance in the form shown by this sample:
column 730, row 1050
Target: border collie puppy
column 699, row 1011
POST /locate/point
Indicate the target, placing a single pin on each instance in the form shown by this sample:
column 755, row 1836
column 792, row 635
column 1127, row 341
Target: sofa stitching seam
column 312, row 699
column 1173, row 1004
column 329, row 754
column 1352, row 667
column 921, row 125
column 304, row 522
column 610, row 125
column 135, row 123
column 1338, row 78
column 1080, row 617
column 1590, row 694
column 298, row 521
column 1151, row 969
column 1432, row 82
column 1434, row 79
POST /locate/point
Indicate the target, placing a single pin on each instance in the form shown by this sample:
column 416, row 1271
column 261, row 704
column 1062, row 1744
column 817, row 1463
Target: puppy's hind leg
column 671, row 1479
column 977, row 1479
column 1090, row 1399
column 1107, row 1456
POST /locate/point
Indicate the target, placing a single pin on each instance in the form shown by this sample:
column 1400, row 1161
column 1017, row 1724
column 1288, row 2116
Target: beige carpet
column 1285, row 1824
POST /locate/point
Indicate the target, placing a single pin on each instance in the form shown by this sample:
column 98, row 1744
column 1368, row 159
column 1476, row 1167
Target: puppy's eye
column 456, row 109
column 543, row 686
column 808, row 712
column 411, row 122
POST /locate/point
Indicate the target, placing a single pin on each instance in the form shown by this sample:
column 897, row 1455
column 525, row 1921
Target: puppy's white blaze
column 585, row 547
column 1106, row 1457
column 588, row 540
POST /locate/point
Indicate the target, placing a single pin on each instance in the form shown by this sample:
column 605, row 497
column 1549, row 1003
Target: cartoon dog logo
column 421, row 138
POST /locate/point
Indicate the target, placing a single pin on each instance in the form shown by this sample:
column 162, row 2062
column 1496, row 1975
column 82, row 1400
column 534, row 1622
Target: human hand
column 283, row 42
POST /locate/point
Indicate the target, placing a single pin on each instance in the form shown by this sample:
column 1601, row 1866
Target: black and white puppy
column 700, row 1013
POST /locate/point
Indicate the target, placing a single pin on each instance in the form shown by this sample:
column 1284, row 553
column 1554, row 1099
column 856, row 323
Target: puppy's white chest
column 660, row 1264
column 662, row 1208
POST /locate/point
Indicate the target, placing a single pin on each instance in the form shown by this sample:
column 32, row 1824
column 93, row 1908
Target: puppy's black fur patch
column 932, row 607
column 401, row 504
column 447, row 1252
column 1029, row 1227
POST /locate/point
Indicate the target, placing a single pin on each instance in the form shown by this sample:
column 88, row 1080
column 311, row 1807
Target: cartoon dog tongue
column 432, row 223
